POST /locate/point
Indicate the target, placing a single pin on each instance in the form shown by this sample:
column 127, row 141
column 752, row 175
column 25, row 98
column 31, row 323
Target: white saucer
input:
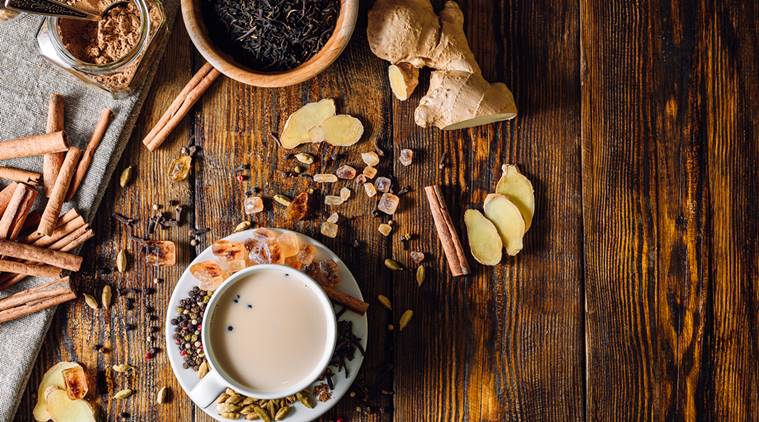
column 188, row 378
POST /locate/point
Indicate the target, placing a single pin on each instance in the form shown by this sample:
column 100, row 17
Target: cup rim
column 318, row 369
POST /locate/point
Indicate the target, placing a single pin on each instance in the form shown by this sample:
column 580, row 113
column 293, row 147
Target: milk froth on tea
column 268, row 330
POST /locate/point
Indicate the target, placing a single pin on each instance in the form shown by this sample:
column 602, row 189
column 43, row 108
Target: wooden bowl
column 196, row 28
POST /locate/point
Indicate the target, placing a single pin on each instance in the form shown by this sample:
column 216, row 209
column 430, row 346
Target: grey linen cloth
column 26, row 81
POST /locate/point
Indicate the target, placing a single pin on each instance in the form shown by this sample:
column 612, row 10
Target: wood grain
column 636, row 294
column 666, row 134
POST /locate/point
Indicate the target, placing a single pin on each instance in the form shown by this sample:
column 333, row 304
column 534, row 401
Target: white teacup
column 214, row 343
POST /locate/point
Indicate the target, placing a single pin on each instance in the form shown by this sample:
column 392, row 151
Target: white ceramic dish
column 187, row 377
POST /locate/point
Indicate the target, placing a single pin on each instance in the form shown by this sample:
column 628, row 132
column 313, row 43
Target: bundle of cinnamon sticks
column 38, row 242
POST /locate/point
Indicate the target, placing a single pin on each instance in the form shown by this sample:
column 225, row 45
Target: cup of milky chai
column 268, row 332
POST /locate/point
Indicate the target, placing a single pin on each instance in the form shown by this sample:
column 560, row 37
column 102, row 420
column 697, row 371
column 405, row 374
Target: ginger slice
column 63, row 409
column 52, row 378
column 76, row 382
column 507, row 220
column 484, row 242
column 341, row 130
column 403, row 80
column 298, row 125
column 515, row 186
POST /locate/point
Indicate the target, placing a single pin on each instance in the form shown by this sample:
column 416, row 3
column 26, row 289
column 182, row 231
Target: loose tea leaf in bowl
column 271, row 35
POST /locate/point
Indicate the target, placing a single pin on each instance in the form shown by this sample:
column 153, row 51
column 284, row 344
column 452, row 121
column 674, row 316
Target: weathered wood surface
column 636, row 295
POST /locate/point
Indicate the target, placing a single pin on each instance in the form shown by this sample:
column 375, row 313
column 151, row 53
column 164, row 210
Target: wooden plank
column 233, row 125
column 506, row 343
column 667, row 132
column 76, row 329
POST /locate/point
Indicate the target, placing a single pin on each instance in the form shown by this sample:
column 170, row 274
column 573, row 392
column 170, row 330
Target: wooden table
column 636, row 296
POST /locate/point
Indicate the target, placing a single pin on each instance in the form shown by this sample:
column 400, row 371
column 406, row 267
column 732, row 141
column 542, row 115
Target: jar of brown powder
column 109, row 53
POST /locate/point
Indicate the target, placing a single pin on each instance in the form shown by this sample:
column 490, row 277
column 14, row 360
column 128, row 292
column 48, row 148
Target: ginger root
column 459, row 100
column 409, row 35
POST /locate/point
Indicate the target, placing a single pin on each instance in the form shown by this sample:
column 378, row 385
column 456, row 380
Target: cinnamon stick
column 58, row 259
column 19, row 175
column 354, row 304
column 89, row 152
column 66, row 218
column 446, row 232
column 29, row 268
column 59, row 294
column 179, row 108
column 9, row 215
column 33, row 145
column 79, row 241
column 24, row 211
column 33, row 294
column 58, row 195
column 68, row 223
column 52, row 162
column 5, row 196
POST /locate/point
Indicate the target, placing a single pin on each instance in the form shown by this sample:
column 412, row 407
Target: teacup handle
column 207, row 389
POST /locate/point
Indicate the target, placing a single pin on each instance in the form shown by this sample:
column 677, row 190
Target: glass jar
column 121, row 76
column 6, row 14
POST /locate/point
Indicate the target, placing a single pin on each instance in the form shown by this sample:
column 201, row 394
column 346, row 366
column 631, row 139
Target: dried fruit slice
column 52, row 378
column 507, row 220
column 75, row 381
column 62, row 409
column 210, row 275
column 484, row 242
column 341, row 130
column 231, row 254
column 304, row 119
column 515, row 186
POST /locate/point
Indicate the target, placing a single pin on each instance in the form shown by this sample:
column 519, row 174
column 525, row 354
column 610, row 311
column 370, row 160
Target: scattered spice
column 420, row 275
column 282, row 200
column 91, row 302
column 187, row 327
column 126, row 176
column 385, row 301
column 394, row 265
column 162, row 395
column 106, row 296
column 121, row 260
column 405, row 319
column 123, row 394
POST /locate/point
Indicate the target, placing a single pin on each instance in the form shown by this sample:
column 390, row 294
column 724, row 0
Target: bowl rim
column 337, row 42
